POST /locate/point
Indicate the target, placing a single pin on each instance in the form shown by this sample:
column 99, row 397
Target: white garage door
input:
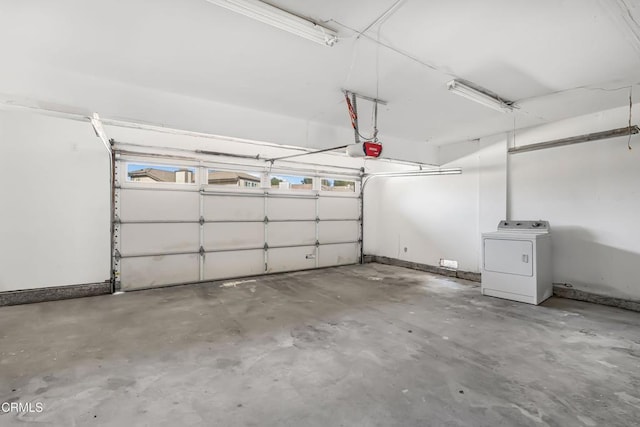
column 188, row 223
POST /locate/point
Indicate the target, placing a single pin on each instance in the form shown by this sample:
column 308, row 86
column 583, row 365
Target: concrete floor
column 368, row 345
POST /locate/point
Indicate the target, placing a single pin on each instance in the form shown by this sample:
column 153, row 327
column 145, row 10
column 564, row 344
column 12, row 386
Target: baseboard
column 558, row 290
column 576, row 294
column 466, row 275
column 28, row 296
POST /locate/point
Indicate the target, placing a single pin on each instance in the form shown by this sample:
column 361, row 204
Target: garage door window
column 160, row 174
column 291, row 182
column 232, row 179
column 338, row 185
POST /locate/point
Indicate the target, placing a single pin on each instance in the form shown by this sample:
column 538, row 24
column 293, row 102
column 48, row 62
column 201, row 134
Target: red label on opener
column 372, row 149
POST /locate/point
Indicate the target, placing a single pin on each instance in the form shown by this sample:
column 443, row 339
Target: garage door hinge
column 116, row 220
column 317, row 243
column 317, row 219
column 266, row 219
column 266, row 247
column 116, row 255
column 201, row 251
column 201, row 220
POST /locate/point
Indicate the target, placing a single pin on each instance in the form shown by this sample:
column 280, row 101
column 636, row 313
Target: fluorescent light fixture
column 281, row 19
column 479, row 96
column 423, row 172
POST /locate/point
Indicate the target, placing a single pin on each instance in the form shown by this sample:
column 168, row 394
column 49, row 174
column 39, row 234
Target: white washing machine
column 516, row 261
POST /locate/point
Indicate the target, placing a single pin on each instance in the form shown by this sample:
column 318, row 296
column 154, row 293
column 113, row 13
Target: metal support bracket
column 366, row 98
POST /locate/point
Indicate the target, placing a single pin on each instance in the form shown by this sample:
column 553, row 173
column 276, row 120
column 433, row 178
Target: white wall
column 436, row 217
column 63, row 90
column 54, row 216
column 590, row 193
column 54, row 224
column 54, row 220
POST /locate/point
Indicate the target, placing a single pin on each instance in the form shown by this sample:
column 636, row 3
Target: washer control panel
column 512, row 225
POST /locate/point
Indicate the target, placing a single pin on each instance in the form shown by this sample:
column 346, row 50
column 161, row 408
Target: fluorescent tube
column 281, row 19
column 478, row 96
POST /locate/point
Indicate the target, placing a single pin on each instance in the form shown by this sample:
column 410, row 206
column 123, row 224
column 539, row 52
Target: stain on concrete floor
column 366, row 345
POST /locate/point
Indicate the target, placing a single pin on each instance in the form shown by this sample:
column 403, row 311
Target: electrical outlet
column 448, row 263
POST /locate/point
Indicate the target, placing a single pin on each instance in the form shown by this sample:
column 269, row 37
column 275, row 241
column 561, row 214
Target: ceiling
column 555, row 58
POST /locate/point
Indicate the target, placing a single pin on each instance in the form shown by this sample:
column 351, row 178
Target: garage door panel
column 233, row 235
column 338, row 208
column 225, row 208
column 291, row 208
column 342, row 254
column 146, row 272
column 159, row 238
column 291, row 259
column 291, row 233
column 157, row 205
column 224, row 265
column 156, row 221
column 338, row 231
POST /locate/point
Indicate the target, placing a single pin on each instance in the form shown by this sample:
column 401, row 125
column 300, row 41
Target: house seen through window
column 330, row 184
column 233, row 179
column 291, row 182
column 160, row 174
